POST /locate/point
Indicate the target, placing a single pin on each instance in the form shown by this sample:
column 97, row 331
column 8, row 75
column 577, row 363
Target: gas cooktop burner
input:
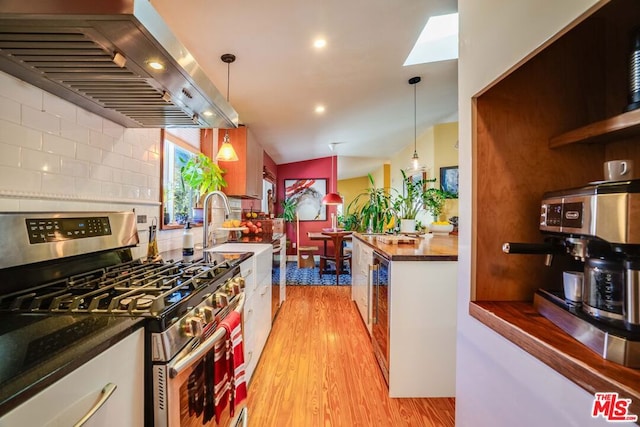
column 131, row 288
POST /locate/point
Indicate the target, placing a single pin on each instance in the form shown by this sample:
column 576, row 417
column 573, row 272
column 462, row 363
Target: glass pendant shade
column 415, row 162
column 226, row 153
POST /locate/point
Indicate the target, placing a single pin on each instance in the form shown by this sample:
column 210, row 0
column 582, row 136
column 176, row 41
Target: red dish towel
column 221, row 378
column 235, row 354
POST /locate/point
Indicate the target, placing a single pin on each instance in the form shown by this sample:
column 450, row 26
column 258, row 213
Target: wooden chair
column 339, row 258
column 305, row 253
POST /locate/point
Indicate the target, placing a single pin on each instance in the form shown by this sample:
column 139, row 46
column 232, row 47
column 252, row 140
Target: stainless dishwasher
column 380, row 312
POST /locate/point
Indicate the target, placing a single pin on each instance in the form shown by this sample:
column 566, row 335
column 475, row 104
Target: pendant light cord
column 415, row 121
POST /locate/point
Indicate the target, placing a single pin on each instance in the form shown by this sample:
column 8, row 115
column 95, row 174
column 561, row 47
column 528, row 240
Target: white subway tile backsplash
column 12, row 133
column 9, row 155
column 100, row 140
column 132, row 164
column 103, row 173
column 139, row 153
column 57, row 156
column 57, row 145
column 21, row 92
column 39, row 161
column 130, row 192
column 118, row 175
column 113, row 160
column 73, row 131
column 112, row 129
column 88, row 154
column 150, row 170
column 123, row 148
column 148, row 194
column 10, row 110
column 112, row 190
column 88, row 187
column 59, row 107
column 16, row 179
column 134, row 178
column 40, row 120
column 89, row 120
column 57, row 184
column 75, row 168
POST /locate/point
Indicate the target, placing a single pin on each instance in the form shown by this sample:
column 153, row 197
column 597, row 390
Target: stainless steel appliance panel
column 380, row 312
column 53, row 240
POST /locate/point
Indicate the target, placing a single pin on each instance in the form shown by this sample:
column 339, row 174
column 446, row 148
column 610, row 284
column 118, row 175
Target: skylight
column 437, row 42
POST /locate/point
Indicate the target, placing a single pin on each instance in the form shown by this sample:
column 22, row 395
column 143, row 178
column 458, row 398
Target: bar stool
column 305, row 256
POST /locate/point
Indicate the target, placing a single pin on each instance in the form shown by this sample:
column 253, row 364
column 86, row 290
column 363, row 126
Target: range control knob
column 192, row 326
column 222, row 300
column 209, row 314
column 239, row 281
column 232, row 288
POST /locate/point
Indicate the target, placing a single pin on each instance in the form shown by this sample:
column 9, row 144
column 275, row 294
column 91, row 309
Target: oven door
column 183, row 389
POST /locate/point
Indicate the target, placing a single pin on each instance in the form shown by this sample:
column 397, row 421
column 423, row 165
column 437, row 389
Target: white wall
column 55, row 156
column 497, row 383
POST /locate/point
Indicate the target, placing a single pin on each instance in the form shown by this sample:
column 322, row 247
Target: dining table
column 337, row 237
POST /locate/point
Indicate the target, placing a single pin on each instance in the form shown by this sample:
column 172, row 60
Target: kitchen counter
column 258, row 238
column 429, row 247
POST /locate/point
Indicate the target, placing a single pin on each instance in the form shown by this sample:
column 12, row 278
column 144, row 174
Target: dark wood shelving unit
column 614, row 128
column 579, row 78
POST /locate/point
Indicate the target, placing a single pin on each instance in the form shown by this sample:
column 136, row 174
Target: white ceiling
column 279, row 77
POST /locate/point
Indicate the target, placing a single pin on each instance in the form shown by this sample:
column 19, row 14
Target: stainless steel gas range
column 74, row 272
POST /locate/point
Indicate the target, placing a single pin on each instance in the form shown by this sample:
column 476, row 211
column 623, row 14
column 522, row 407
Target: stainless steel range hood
column 99, row 55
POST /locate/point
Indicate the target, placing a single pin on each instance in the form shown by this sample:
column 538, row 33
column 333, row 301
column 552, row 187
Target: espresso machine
column 598, row 226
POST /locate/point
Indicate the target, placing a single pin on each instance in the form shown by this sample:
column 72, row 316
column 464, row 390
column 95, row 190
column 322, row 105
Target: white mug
column 617, row 170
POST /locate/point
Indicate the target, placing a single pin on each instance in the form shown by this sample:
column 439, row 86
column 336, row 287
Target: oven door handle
column 193, row 357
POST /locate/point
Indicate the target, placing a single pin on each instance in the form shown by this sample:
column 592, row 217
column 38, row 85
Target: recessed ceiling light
column 437, row 42
column 207, row 113
column 319, row 43
column 319, row 109
column 156, row 65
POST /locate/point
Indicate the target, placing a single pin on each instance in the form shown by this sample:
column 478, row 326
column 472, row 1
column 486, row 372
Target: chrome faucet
column 205, row 217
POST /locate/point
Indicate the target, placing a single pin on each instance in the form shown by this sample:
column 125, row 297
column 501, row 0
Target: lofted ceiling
column 279, row 77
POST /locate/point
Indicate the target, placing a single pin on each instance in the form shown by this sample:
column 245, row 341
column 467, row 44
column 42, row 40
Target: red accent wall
column 316, row 168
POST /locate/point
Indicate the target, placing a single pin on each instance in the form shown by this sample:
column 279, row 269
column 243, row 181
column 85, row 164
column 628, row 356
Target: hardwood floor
column 318, row 369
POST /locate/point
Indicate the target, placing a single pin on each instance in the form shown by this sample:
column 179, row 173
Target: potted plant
column 203, row 175
column 434, row 200
column 414, row 199
column 371, row 210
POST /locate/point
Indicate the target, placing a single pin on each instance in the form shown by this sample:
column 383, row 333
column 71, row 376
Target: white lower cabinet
column 257, row 311
column 422, row 328
column 362, row 260
column 66, row 401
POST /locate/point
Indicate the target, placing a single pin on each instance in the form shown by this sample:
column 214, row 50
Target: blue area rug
column 309, row 276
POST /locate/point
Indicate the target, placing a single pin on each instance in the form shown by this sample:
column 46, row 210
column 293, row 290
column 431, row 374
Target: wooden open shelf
column 521, row 324
column 618, row 127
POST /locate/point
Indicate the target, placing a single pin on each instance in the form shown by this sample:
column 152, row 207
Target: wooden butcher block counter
column 427, row 247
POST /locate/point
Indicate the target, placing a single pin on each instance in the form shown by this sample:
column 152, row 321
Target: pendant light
column 332, row 198
column 415, row 161
column 226, row 153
